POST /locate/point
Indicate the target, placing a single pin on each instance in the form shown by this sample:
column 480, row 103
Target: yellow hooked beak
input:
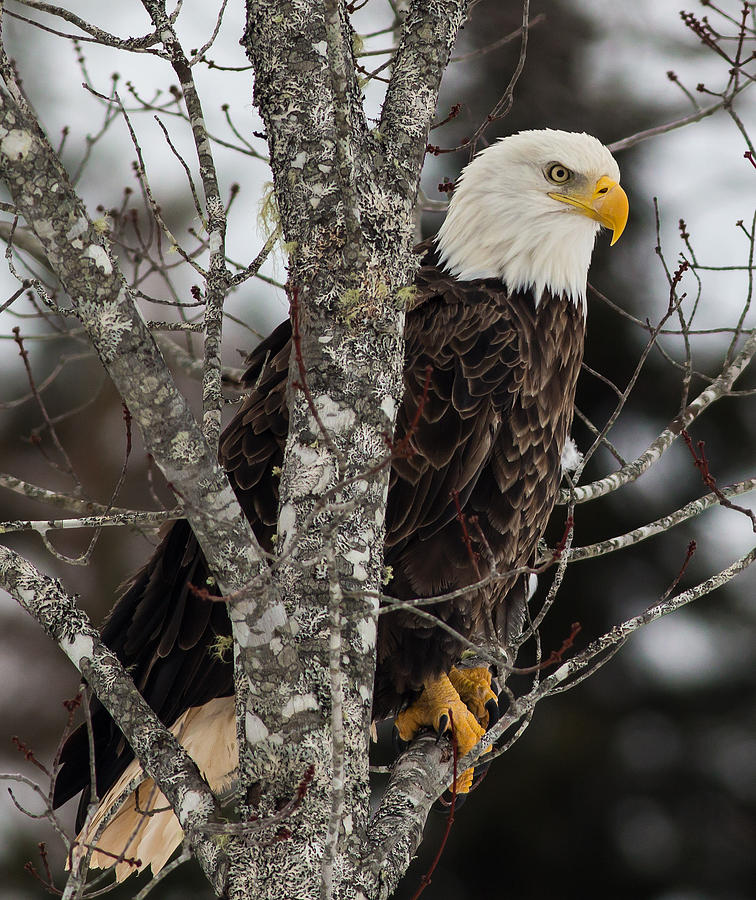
column 607, row 203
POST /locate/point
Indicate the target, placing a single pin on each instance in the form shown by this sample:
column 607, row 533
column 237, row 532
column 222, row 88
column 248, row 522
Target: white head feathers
column 502, row 223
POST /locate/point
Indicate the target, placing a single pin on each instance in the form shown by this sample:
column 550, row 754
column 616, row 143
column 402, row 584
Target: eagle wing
column 462, row 435
column 169, row 638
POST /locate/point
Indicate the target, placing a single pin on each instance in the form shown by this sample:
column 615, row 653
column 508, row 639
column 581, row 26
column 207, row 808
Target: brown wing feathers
column 492, row 428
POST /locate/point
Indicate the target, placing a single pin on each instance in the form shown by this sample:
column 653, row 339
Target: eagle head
column 527, row 210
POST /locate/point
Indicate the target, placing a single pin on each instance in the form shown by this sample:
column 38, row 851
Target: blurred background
column 641, row 782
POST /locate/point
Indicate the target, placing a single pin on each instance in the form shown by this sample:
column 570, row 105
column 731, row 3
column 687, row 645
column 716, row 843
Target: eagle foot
column 475, row 691
column 439, row 702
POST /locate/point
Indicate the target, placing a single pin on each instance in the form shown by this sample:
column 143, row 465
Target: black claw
column 443, row 724
column 492, row 707
column 400, row 745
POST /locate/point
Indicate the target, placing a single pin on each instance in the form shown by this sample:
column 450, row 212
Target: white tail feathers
column 145, row 828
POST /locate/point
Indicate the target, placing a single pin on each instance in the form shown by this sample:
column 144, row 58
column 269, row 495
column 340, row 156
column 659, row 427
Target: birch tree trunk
column 346, row 198
column 305, row 629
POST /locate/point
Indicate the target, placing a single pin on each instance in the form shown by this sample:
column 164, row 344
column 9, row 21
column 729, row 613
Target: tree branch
column 633, row 470
column 428, row 36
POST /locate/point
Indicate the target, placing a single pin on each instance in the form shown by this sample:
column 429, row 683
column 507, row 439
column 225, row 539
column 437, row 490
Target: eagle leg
column 439, row 703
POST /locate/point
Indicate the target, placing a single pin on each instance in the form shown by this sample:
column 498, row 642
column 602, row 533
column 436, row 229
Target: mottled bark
column 345, row 197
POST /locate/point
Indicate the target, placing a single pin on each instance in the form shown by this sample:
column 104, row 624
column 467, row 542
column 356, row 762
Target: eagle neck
column 548, row 252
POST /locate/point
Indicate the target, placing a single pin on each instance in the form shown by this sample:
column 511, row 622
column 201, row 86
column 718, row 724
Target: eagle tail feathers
column 142, row 829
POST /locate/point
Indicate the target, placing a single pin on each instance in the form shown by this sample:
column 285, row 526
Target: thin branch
column 633, row 470
column 661, row 525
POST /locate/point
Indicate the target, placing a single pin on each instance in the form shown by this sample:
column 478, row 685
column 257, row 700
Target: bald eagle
column 498, row 319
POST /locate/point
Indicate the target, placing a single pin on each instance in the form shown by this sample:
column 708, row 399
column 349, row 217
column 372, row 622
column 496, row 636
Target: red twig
column 453, row 113
column 29, row 754
column 255, row 823
column 148, row 813
column 749, row 156
column 487, row 551
column 204, row 594
column 688, row 556
column 674, row 302
column 127, row 420
column 400, row 448
column 45, row 862
column 556, row 655
column 702, row 464
column 67, row 467
column 462, row 519
column 304, row 784
column 569, row 524
column 426, row 879
column 71, row 706
column 116, row 857
column 49, row 886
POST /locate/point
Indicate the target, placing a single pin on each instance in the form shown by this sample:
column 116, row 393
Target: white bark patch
column 388, row 407
column 243, row 611
column 299, row 703
column 215, row 242
column 100, row 257
column 321, row 47
column 314, row 472
column 78, row 228
column 45, row 229
column 16, row 144
column 190, row 804
column 241, row 629
column 78, row 648
column 334, row 417
column 287, row 520
column 562, row 672
column 255, row 729
column 358, row 559
column 366, row 629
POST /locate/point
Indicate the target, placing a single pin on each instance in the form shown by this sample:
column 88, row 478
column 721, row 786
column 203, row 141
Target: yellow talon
column 431, row 709
column 474, row 689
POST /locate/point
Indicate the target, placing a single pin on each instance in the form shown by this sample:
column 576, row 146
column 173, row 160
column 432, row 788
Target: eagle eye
column 558, row 173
